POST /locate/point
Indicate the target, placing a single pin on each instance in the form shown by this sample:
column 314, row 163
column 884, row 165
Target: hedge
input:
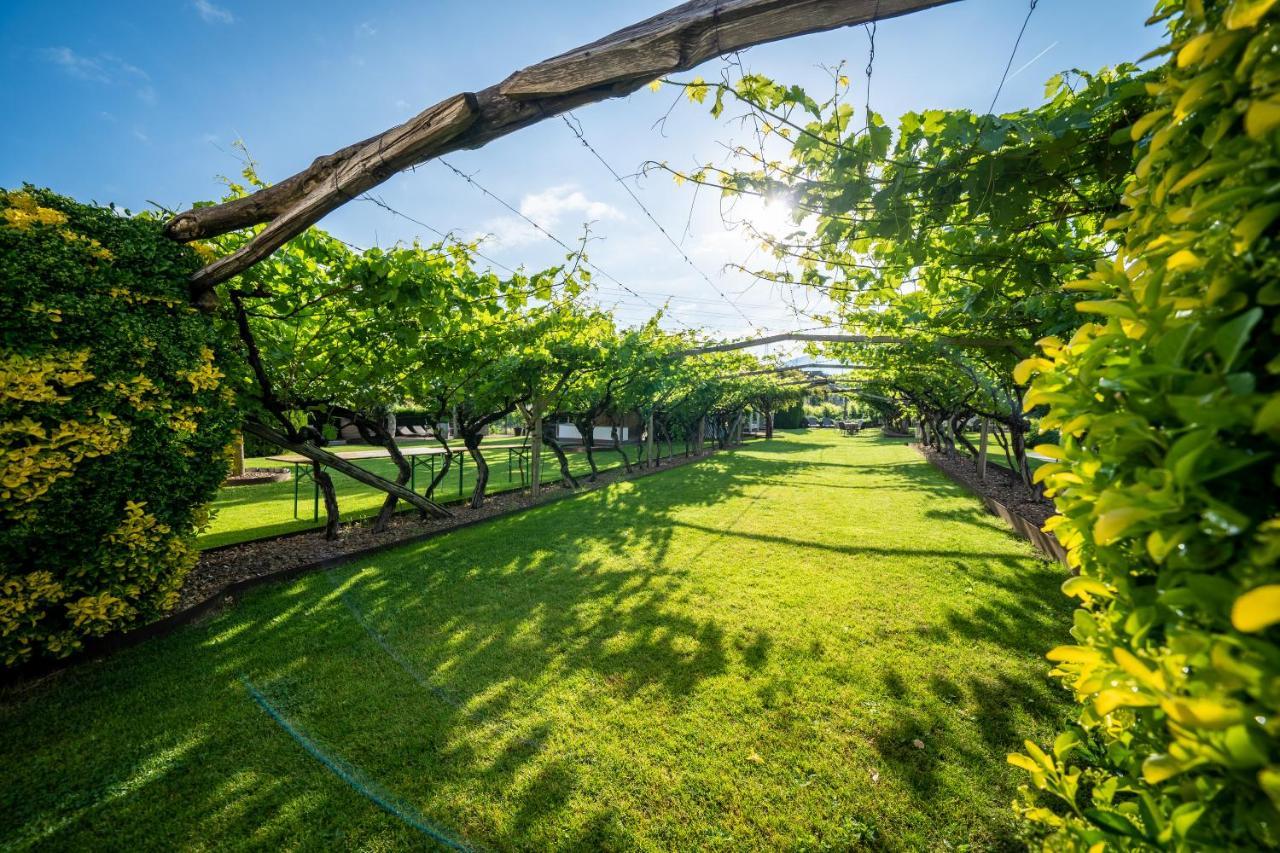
column 1168, row 470
column 113, row 422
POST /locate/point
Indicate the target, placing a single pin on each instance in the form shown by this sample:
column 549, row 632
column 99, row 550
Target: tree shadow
column 455, row 665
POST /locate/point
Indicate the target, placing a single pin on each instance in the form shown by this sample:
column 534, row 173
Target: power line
column 1012, row 54
column 577, row 131
column 471, row 180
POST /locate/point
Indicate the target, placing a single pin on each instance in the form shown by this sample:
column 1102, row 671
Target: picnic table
column 415, row 454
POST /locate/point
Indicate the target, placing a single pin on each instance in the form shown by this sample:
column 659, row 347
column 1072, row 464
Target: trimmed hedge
column 791, row 417
column 113, row 422
column 1168, row 471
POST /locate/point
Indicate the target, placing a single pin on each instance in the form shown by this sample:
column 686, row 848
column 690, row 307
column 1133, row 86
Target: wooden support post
column 702, row 431
column 648, row 442
column 535, row 457
column 982, row 451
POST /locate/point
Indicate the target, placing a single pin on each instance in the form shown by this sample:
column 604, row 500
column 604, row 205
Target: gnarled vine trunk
column 337, row 463
column 566, row 477
column 445, row 463
column 586, row 429
column 472, row 442
column 617, row 446
column 325, row 483
column 404, row 471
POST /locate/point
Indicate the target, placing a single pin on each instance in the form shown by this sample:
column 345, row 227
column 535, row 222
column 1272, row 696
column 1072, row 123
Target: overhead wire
column 444, row 236
column 470, row 179
column 1013, row 53
column 871, row 56
column 577, row 131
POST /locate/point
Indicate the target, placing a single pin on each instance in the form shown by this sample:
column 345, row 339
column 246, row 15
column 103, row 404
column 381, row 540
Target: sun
column 766, row 217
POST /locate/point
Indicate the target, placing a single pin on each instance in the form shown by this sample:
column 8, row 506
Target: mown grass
column 242, row 513
column 738, row 654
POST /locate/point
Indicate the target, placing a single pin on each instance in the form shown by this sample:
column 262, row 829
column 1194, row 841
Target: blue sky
column 137, row 102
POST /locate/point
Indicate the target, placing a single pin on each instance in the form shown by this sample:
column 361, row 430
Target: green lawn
column 738, row 654
column 242, row 513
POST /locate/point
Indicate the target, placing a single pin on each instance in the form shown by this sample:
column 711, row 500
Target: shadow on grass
column 484, row 623
column 931, row 733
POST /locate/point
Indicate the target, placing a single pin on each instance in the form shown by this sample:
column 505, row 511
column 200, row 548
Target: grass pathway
column 811, row 643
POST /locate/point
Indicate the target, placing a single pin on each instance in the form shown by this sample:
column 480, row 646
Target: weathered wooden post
column 982, row 451
column 535, row 454
column 648, row 442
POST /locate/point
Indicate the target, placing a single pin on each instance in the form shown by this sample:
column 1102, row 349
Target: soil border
column 1046, row 543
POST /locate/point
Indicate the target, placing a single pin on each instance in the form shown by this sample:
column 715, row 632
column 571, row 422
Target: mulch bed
column 222, row 566
column 1000, row 485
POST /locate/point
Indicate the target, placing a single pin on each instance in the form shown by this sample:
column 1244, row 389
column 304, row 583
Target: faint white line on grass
column 403, row 662
column 352, row 776
column 441, row 693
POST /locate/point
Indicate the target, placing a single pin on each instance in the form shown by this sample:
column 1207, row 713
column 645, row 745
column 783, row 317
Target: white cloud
column 80, row 67
column 211, row 13
column 366, row 29
column 550, row 209
column 103, row 68
column 552, row 203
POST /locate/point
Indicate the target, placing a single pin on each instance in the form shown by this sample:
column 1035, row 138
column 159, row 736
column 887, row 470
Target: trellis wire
column 578, row 132
column 871, row 56
column 471, row 180
column 442, row 235
column 1018, row 41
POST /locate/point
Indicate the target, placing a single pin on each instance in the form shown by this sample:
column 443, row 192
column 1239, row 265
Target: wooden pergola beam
column 616, row 65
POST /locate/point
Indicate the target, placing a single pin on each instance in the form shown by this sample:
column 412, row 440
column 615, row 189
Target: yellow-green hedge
column 112, row 422
column 1168, row 471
